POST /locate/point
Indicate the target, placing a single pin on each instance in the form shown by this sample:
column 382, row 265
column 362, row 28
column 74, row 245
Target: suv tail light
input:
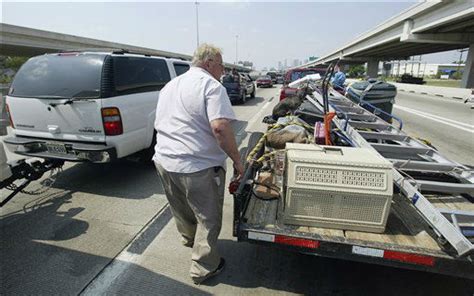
column 282, row 94
column 287, row 91
column 9, row 115
column 112, row 121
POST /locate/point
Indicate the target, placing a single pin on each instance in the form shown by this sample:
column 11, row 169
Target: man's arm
column 224, row 135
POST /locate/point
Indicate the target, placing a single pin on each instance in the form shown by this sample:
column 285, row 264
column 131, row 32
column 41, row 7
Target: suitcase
column 379, row 94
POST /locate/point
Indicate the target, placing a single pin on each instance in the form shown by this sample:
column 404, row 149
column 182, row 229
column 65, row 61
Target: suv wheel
column 252, row 95
column 146, row 155
column 243, row 99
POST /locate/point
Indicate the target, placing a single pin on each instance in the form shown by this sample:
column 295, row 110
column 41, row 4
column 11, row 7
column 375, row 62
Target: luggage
column 377, row 93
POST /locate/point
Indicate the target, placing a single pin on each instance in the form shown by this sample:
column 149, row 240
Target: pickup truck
column 295, row 74
column 408, row 242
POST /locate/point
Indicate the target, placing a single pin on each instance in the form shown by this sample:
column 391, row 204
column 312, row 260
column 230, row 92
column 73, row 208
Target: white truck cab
column 87, row 106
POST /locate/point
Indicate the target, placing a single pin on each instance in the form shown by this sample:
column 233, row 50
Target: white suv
column 87, row 106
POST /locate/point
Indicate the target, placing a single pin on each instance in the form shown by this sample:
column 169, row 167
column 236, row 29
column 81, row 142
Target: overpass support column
column 372, row 68
column 468, row 75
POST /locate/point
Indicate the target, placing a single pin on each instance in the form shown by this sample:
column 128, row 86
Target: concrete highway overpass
column 22, row 41
column 426, row 27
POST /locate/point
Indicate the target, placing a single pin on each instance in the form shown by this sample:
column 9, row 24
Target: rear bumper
column 75, row 151
column 234, row 97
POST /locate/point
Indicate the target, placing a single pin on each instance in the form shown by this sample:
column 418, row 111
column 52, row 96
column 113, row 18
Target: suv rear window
column 135, row 74
column 180, row 68
column 59, row 76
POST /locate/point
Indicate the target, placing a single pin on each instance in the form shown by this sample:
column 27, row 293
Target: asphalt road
column 106, row 229
column 447, row 123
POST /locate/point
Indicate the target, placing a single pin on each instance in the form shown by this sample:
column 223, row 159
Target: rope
column 261, row 142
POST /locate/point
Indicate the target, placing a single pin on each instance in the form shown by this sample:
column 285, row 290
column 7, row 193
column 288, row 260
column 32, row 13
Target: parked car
column 264, row 81
column 273, row 76
column 295, row 74
column 87, row 106
column 238, row 87
column 280, row 79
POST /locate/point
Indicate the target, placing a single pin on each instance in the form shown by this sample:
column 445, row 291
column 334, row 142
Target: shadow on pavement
column 122, row 179
column 140, row 244
column 254, row 101
column 252, row 266
column 39, row 275
column 38, row 255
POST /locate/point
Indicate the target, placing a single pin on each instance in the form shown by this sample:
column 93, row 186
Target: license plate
column 56, row 148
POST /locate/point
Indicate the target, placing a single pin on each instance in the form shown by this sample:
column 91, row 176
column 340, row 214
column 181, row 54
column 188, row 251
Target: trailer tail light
column 284, row 240
column 9, row 115
column 394, row 255
column 409, row 258
column 112, row 121
column 298, row 242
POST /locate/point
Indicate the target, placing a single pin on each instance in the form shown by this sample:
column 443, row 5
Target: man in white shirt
column 194, row 138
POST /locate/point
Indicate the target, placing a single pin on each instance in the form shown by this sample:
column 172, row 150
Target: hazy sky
column 268, row 32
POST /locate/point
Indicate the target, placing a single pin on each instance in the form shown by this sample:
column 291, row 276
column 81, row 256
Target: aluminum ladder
column 409, row 155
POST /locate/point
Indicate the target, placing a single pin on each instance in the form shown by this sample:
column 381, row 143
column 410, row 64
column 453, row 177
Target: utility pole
column 197, row 24
column 236, row 49
column 461, row 51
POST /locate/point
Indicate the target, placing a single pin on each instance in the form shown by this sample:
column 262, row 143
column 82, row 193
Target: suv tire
column 243, row 98
column 146, row 155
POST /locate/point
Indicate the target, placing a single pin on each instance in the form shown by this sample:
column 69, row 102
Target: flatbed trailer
column 408, row 242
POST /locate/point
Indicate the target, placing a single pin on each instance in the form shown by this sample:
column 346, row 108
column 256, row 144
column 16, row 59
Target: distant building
column 280, row 66
column 419, row 69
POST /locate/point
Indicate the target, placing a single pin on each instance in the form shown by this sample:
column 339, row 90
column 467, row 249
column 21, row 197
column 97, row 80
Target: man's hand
column 239, row 170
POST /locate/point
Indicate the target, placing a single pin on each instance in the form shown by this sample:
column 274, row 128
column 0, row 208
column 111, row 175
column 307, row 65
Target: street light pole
column 461, row 51
column 197, row 24
column 236, row 49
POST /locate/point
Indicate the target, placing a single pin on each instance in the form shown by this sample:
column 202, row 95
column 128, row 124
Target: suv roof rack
column 122, row 51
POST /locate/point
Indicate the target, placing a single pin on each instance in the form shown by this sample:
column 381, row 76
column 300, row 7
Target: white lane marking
column 435, row 116
column 258, row 115
column 452, row 123
column 108, row 279
column 105, row 283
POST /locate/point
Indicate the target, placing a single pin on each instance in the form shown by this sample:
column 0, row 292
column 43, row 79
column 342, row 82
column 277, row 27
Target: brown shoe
column 218, row 270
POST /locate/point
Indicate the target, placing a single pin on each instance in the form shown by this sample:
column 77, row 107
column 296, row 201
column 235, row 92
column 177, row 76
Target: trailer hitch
column 29, row 172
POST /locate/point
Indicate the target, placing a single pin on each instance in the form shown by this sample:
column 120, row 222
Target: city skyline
column 267, row 34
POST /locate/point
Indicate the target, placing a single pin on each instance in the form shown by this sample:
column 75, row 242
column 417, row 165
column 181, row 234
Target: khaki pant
column 196, row 201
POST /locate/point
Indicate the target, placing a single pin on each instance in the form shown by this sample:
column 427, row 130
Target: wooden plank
column 451, row 203
column 405, row 230
column 327, row 232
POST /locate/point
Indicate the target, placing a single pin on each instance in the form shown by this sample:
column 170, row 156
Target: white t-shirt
column 186, row 106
